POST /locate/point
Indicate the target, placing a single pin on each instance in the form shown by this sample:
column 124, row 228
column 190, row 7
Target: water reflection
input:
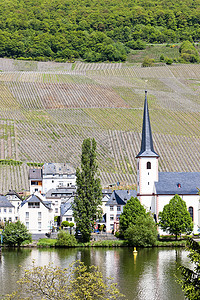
column 148, row 275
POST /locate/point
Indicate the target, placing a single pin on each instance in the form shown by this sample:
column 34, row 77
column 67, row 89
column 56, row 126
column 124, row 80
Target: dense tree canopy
column 86, row 208
column 93, row 30
column 143, row 233
column 15, row 234
column 175, row 218
column 131, row 211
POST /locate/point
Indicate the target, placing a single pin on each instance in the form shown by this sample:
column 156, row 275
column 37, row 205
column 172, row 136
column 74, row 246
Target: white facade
column 51, row 181
column 7, row 214
column 112, row 217
column 147, row 175
column 37, row 217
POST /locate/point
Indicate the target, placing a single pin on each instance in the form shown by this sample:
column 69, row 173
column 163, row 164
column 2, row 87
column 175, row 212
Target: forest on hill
column 93, row 30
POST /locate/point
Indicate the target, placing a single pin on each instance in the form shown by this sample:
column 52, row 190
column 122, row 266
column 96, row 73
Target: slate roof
column 58, row 168
column 35, row 174
column 12, row 192
column 66, row 206
column 60, row 192
column 169, row 182
column 120, row 197
column 147, row 141
column 4, row 202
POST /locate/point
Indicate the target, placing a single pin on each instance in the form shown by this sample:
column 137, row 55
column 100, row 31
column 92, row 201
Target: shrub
column 143, row 233
column 188, row 52
column 148, row 62
column 64, row 239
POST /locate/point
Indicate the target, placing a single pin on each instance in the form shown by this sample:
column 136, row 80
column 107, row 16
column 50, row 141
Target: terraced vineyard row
column 44, row 117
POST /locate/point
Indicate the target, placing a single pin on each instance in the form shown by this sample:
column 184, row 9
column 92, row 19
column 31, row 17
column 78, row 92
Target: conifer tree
column 86, row 208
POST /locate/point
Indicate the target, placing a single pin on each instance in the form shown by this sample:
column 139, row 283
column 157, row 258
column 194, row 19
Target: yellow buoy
column 134, row 251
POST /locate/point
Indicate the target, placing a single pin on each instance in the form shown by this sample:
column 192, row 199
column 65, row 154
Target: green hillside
column 93, row 30
column 49, row 108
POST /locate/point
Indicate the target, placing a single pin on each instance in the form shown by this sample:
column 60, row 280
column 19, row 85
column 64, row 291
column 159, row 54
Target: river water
column 149, row 275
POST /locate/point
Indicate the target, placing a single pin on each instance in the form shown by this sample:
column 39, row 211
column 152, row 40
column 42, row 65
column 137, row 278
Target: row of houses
column 38, row 211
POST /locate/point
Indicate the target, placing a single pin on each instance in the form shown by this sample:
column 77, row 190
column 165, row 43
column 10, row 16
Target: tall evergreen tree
column 86, row 208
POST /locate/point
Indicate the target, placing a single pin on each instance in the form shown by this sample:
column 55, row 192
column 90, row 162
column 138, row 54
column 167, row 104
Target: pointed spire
column 147, row 141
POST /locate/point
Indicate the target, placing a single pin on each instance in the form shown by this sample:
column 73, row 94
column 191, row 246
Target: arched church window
column 148, row 165
column 191, row 211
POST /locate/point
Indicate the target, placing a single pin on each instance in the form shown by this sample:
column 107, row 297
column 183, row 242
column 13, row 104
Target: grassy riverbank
column 110, row 243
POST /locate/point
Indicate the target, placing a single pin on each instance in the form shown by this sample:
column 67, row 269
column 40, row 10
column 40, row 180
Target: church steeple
column 147, row 149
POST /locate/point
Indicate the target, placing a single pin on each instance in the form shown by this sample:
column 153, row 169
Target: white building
column 36, row 214
column 51, row 176
column 155, row 189
column 114, row 208
column 7, row 210
column 15, row 200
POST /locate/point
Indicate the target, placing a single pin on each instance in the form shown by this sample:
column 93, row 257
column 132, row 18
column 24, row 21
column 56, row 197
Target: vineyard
column 47, row 109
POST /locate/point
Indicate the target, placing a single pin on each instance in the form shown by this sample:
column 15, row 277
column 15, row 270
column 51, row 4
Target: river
column 149, row 275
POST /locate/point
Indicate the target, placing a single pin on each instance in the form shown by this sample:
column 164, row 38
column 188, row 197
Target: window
column 56, row 210
column 39, row 215
column 148, row 183
column 191, row 211
column 27, row 225
column 111, row 207
column 111, row 217
column 4, row 219
column 117, row 217
column 39, row 226
column 69, row 219
column 10, row 210
column 10, row 219
column 118, row 208
column 52, row 181
column 148, row 165
column 27, row 215
column 33, row 204
column 36, row 190
column 4, row 209
column 0, row 209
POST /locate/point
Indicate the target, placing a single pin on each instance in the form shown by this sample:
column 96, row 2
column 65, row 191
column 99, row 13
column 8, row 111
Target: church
column 155, row 189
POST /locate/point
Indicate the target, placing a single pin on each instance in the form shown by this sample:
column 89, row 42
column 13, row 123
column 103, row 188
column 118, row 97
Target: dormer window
column 179, row 185
column 148, row 165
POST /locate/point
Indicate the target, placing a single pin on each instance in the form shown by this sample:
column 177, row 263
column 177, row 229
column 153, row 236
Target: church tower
column 147, row 164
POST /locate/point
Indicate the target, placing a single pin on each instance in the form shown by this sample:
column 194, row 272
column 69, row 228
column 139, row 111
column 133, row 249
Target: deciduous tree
column 143, row 233
column 175, row 218
column 15, row 234
column 132, row 210
column 86, row 208
column 73, row 283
